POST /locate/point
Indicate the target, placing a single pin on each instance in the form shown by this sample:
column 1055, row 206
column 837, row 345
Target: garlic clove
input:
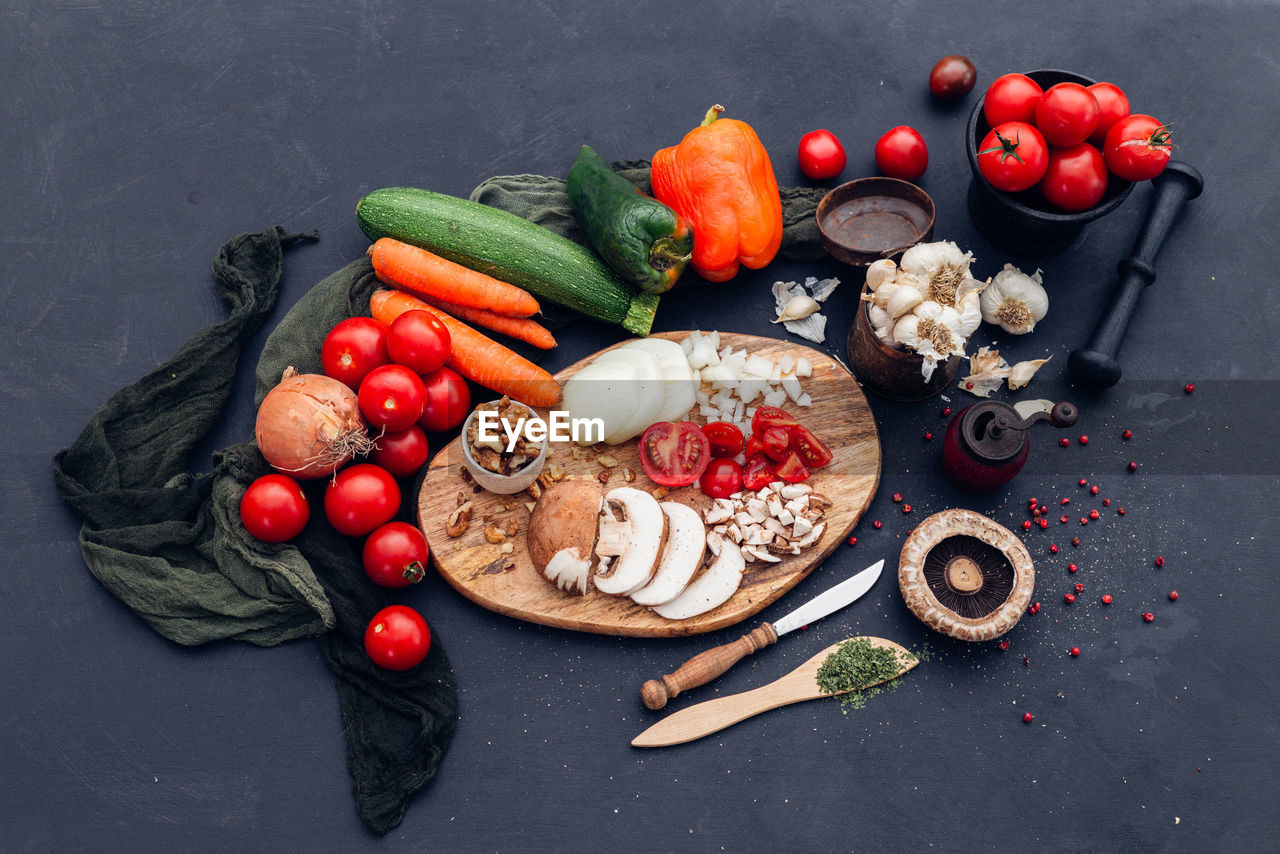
column 902, row 300
column 1021, row 373
column 882, row 323
column 970, row 309
column 880, row 272
column 797, row 308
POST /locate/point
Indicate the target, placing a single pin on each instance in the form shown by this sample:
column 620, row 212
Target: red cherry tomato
column 395, row 555
column 392, row 397
column 274, row 508
column 821, row 155
column 397, row 638
column 403, row 453
column 1138, row 147
column 448, row 401
column 419, row 341
column 901, row 153
column 361, row 498
column 1011, row 98
column 1067, row 114
column 674, row 453
column 770, row 416
column 753, row 446
column 813, row 452
column 1113, row 105
column 759, row 472
column 1076, row 179
column 952, row 78
column 792, row 470
column 776, row 442
column 1013, row 157
column 725, row 438
column 722, row 478
column 352, row 349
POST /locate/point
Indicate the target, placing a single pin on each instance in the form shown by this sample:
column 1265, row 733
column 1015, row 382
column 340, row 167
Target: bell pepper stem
column 663, row 254
column 712, row 114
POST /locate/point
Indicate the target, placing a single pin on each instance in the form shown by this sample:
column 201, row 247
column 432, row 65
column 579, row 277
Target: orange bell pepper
column 720, row 179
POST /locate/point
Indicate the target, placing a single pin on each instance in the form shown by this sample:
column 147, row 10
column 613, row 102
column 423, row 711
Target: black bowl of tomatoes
column 1034, row 190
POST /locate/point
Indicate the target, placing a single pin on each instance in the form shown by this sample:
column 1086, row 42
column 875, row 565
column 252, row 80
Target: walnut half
column 459, row 520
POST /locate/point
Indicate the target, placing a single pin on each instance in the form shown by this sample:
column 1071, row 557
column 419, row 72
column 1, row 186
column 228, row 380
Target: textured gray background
column 139, row 136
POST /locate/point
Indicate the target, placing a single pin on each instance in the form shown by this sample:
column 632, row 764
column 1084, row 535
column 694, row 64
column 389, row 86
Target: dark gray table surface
column 138, row 137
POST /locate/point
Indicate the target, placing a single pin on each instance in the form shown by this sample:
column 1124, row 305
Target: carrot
column 424, row 273
column 477, row 357
column 520, row 328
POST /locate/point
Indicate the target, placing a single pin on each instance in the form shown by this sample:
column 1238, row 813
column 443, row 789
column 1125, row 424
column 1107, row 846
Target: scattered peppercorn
column 1053, row 549
column 1084, row 520
column 1189, row 387
column 897, row 498
column 1133, row 466
column 1004, row 645
column 1027, row 718
column 1044, row 523
column 1032, row 501
column 1093, row 514
column 1075, row 651
column 1093, row 490
column 1160, row 561
column 1064, row 442
column 1083, row 481
column 946, row 410
column 1084, row 440
column 1120, row 511
column 1173, row 595
column 1127, row 434
column 1069, row 598
column 928, row 437
column 1071, row 567
column 1148, row 616
column 906, row 508
column 1063, row 520
column 1026, row 525
column 1079, row 587
column 1075, row 541
column 1026, row 661
column 1106, row 502
column 876, row 524
column 1035, row 608
column 853, row 541
column 1106, row 598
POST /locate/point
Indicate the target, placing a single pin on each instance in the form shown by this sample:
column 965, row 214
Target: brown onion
column 309, row 425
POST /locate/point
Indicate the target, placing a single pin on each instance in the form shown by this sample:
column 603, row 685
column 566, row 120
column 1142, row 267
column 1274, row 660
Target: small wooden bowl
column 873, row 218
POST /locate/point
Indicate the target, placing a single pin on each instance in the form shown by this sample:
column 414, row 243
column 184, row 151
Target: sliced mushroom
column 645, row 538
column 681, row 557
column 709, row 590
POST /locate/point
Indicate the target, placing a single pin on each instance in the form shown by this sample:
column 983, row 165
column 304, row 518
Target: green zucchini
column 644, row 241
column 509, row 248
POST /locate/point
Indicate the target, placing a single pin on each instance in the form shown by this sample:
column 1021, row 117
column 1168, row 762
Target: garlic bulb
column 880, row 272
column 798, row 308
column 942, row 269
column 1015, row 301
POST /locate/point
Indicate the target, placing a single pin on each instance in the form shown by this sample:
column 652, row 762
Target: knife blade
column 705, row 666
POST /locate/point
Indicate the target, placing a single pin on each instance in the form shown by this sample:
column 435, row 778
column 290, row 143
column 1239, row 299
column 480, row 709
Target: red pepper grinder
column 988, row 443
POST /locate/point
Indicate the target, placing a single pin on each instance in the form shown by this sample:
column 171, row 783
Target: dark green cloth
column 171, row 546
column 545, row 200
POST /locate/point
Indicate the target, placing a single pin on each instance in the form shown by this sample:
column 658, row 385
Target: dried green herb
column 856, row 670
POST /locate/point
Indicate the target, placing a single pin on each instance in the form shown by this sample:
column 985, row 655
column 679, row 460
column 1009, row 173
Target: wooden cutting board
column 508, row 584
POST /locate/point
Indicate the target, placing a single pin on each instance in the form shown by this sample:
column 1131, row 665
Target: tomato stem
column 1006, row 149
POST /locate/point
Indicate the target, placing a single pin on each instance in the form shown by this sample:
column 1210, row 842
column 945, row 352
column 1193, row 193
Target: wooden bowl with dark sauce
column 873, row 218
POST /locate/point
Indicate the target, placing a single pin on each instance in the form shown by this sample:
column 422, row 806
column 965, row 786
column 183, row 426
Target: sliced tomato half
column 674, row 453
column 770, row 416
column 776, row 442
column 792, row 470
column 759, row 472
column 813, row 452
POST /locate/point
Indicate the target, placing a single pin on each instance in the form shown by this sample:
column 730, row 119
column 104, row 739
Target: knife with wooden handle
column 714, row 715
column 705, row 666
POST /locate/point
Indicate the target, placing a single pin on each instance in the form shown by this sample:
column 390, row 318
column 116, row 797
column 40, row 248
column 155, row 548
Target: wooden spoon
column 714, row 715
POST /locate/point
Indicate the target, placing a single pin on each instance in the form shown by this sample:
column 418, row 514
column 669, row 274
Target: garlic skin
column 798, row 308
column 1014, row 301
column 987, row 371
